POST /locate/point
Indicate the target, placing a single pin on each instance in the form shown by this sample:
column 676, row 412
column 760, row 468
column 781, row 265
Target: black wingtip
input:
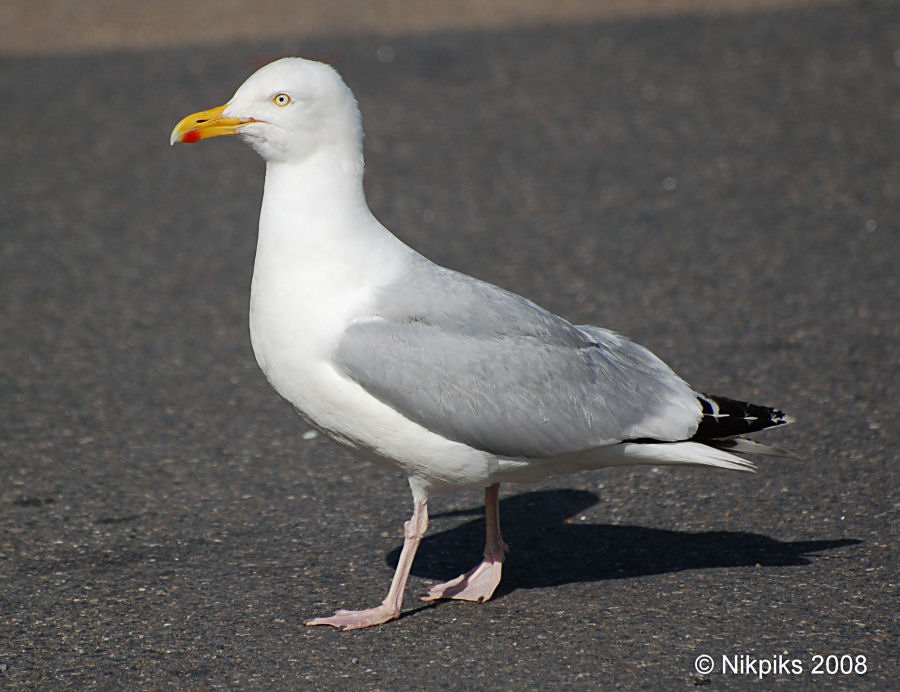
column 724, row 417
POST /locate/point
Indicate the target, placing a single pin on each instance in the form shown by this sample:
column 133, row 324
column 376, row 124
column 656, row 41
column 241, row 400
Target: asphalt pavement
column 722, row 189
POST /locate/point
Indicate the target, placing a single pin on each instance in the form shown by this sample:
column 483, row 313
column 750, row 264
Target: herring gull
column 455, row 382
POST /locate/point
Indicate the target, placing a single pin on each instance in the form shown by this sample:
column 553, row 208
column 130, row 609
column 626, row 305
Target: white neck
column 316, row 211
column 316, row 197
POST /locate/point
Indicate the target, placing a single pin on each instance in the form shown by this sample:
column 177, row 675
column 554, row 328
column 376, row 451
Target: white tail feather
column 684, row 454
column 744, row 446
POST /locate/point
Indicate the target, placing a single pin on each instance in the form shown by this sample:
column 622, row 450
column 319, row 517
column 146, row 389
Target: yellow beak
column 206, row 124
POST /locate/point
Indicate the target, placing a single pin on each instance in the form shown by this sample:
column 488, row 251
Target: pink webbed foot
column 477, row 584
column 357, row 619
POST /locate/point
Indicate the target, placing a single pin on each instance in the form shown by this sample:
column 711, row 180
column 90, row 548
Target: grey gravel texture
column 722, row 190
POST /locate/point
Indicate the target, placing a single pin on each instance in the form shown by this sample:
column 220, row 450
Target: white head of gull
column 453, row 381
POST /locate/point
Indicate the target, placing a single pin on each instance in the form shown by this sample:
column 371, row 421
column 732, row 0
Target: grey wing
column 487, row 368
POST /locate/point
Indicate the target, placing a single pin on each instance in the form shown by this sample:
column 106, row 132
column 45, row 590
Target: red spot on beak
column 190, row 137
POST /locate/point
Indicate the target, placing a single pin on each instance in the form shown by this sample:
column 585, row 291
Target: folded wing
column 487, row 368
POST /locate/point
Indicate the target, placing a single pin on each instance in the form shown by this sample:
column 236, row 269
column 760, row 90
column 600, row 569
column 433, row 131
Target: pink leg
column 479, row 583
column 389, row 609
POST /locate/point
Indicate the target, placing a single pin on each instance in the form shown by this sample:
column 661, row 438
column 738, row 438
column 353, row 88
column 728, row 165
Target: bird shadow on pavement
column 549, row 549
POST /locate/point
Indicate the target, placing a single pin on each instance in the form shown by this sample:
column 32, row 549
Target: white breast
column 292, row 340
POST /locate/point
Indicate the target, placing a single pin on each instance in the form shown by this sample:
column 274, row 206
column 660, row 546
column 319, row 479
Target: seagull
column 453, row 381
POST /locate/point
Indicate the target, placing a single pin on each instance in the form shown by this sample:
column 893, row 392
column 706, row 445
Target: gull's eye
column 281, row 100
